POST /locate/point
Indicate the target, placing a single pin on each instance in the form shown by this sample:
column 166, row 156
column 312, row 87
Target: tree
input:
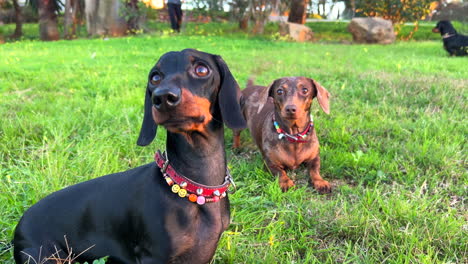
column 132, row 15
column 18, row 19
column 73, row 16
column 260, row 10
column 48, row 29
column 103, row 18
column 298, row 11
column 68, row 20
column 239, row 10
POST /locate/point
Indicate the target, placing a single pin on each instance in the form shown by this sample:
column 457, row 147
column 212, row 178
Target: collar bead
column 297, row 138
column 186, row 188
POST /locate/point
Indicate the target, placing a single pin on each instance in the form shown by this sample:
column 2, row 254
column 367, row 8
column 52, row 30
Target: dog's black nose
column 291, row 109
column 165, row 98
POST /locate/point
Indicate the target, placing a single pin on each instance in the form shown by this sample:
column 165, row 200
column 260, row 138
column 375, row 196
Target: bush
column 398, row 11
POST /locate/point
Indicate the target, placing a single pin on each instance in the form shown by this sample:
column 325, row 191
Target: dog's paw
column 285, row 184
column 322, row 186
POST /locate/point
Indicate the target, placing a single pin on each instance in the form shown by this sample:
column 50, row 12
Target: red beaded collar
column 297, row 138
column 185, row 187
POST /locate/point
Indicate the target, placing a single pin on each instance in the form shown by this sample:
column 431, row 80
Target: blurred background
column 70, row 19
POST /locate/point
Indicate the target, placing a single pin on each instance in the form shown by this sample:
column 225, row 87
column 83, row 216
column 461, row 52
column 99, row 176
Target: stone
column 372, row 30
column 297, row 32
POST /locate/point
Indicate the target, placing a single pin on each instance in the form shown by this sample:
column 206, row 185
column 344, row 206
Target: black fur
column 132, row 216
column 455, row 44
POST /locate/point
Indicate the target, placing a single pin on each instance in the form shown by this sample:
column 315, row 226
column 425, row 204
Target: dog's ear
column 228, row 97
column 148, row 127
column 266, row 93
column 323, row 96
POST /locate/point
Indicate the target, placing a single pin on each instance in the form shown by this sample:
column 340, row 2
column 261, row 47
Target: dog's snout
column 291, row 109
column 165, row 98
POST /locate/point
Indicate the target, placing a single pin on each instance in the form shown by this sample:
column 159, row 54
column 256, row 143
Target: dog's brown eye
column 202, row 70
column 305, row 90
column 279, row 92
column 155, row 79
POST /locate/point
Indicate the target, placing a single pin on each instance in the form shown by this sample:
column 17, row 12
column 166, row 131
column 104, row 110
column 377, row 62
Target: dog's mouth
column 182, row 121
column 176, row 121
column 290, row 117
column 435, row 30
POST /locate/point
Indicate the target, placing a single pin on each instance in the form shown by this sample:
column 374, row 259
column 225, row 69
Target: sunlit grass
column 394, row 145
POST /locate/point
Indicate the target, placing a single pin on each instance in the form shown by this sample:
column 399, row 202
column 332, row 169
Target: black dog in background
column 455, row 44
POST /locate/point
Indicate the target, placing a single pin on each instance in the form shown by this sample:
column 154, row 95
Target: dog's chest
column 195, row 235
column 289, row 155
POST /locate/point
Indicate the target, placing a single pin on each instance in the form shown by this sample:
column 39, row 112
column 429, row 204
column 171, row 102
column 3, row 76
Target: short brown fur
column 260, row 104
column 194, row 114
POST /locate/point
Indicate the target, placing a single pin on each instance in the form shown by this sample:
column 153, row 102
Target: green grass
column 394, row 145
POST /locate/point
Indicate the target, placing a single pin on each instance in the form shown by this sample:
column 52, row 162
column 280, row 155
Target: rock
column 298, row 32
column 372, row 30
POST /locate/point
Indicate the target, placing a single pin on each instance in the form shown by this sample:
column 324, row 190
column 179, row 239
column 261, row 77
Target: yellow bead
column 175, row 188
column 182, row 193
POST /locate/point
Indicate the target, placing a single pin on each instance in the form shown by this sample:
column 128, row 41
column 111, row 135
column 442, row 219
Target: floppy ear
column 228, row 97
column 148, row 127
column 323, row 96
column 265, row 93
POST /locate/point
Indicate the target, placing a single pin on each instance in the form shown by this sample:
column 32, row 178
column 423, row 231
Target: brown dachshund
column 279, row 121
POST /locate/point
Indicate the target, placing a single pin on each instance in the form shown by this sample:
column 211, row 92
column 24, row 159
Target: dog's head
column 186, row 91
column 444, row 27
column 292, row 97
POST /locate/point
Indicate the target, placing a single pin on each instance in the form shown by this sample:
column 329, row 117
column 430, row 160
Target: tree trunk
column 298, row 11
column 68, row 20
column 77, row 15
column 48, row 29
column 133, row 16
column 244, row 23
column 259, row 26
column 102, row 18
column 91, row 7
column 19, row 21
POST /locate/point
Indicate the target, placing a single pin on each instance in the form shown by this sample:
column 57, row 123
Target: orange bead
column 192, row 197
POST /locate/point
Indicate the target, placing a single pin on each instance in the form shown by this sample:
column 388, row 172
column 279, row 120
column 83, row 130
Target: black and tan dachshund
column 455, row 44
column 143, row 215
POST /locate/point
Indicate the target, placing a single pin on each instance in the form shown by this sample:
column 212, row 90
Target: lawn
column 394, row 145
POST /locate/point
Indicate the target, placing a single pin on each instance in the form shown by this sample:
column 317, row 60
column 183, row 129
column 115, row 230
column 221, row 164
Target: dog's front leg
column 284, row 181
column 321, row 185
column 236, row 138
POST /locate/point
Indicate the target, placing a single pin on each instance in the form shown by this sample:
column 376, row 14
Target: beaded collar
column 297, row 138
column 185, row 187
